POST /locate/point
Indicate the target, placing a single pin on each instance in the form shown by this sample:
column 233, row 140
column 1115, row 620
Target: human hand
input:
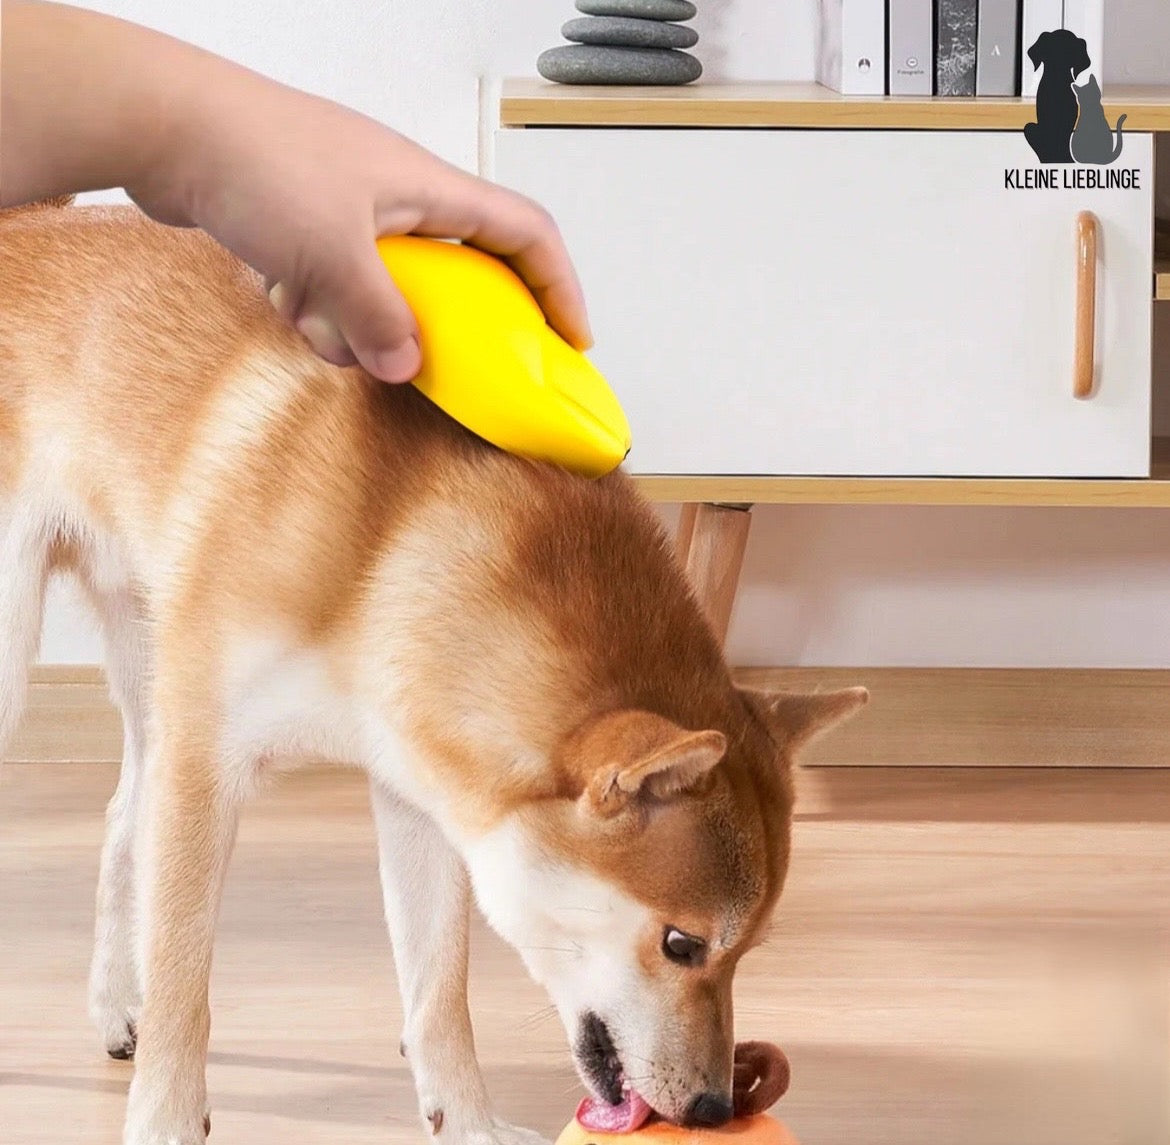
column 300, row 188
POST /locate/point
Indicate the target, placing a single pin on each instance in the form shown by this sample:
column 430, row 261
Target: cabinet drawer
column 850, row 302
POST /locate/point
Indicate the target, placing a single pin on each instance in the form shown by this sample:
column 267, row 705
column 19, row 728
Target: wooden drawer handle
column 1084, row 360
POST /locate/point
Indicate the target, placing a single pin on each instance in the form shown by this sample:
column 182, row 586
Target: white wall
column 858, row 586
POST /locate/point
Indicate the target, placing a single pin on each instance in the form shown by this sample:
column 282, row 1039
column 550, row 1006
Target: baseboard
column 69, row 719
column 993, row 717
column 917, row 717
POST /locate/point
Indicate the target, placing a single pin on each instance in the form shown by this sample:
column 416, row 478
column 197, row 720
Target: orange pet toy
column 761, row 1079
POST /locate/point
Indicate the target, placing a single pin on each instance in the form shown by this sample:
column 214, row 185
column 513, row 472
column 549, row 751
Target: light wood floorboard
column 964, row 957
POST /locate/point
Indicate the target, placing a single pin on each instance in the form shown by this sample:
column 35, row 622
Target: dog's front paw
column 157, row 1115
column 502, row 1133
column 452, row 1131
column 495, row 1132
column 172, row 1135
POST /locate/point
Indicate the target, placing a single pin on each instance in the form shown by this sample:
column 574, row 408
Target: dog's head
column 1062, row 53
column 634, row 890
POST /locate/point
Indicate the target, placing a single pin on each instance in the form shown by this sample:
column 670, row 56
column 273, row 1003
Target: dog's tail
column 1117, row 148
column 55, row 203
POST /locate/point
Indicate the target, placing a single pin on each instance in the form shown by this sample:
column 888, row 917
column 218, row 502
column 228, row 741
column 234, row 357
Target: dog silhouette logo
column 1070, row 121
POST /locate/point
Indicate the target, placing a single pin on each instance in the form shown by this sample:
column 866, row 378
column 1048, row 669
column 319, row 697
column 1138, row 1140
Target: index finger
column 543, row 262
column 526, row 236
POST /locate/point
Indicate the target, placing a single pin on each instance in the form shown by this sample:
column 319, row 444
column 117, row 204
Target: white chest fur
column 283, row 704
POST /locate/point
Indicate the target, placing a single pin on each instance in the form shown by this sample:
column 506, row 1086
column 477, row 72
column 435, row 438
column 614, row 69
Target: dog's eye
column 685, row 949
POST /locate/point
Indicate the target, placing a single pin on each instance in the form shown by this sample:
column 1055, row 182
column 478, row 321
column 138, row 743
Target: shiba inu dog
column 291, row 560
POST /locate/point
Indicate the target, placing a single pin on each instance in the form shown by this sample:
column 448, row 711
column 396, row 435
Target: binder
column 1039, row 16
column 911, row 55
column 851, row 46
column 998, row 56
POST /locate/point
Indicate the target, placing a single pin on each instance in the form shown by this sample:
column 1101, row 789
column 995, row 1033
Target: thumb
column 372, row 315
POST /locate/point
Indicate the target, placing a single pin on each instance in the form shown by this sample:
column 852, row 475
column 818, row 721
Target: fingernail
column 400, row 364
column 583, row 339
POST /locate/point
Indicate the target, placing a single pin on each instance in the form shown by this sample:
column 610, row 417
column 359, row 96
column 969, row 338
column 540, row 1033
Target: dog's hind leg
column 115, row 991
column 428, row 902
column 24, row 568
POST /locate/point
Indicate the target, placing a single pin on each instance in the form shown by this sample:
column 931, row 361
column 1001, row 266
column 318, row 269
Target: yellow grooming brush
column 492, row 363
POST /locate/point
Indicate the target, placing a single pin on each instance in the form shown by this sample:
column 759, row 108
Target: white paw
column 164, row 1136
column 496, row 1133
column 504, row 1134
column 115, row 1005
column 118, row 1026
column 154, row 1116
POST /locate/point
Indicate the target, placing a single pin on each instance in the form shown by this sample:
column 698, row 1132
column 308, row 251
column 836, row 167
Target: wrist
column 176, row 127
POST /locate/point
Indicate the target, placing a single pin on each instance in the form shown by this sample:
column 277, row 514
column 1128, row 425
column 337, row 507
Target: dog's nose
column 709, row 1111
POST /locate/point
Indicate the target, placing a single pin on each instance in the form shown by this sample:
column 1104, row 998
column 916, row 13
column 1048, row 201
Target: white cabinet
column 863, row 302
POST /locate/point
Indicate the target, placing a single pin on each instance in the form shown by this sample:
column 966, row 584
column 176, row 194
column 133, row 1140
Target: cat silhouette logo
column 1070, row 121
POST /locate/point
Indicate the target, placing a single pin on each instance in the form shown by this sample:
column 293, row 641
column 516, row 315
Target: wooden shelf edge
column 1071, row 492
column 537, row 103
column 1162, row 279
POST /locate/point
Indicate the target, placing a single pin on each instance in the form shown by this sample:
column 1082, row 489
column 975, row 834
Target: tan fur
column 527, row 634
column 11, row 445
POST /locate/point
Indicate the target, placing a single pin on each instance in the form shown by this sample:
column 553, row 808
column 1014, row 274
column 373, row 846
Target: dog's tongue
column 601, row 1117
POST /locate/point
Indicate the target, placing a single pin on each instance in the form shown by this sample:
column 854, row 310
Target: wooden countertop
column 537, row 103
column 1083, row 492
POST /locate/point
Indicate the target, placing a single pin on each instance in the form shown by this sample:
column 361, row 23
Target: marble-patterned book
column 956, row 41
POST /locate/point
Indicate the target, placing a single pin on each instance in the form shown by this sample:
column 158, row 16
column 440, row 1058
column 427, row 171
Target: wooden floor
column 963, row 956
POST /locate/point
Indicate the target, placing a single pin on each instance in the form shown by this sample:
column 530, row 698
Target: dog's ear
column 637, row 756
column 796, row 718
column 1039, row 49
column 1081, row 60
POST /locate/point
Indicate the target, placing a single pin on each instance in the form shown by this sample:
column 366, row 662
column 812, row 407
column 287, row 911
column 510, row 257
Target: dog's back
column 159, row 425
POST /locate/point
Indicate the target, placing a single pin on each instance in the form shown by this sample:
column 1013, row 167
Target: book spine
column 852, row 46
column 998, row 58
column 1087, row 19
column 911, row 40
column 1039, row 16
column 956, row 41
column 829, row 16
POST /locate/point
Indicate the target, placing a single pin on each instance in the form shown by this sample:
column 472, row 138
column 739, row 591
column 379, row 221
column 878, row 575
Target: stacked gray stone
column 625, row 42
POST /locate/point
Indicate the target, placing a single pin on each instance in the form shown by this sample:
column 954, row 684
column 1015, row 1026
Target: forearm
column 297, row 186
column 89, row 102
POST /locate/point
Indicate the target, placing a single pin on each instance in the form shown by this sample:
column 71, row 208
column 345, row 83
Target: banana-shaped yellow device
column 492, row 363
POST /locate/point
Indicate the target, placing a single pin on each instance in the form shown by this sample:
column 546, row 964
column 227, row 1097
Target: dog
column 290, row 560
column 1063, row 56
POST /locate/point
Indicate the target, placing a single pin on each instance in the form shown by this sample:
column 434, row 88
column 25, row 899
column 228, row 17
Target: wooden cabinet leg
column 715, row 557
column 686, row 530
